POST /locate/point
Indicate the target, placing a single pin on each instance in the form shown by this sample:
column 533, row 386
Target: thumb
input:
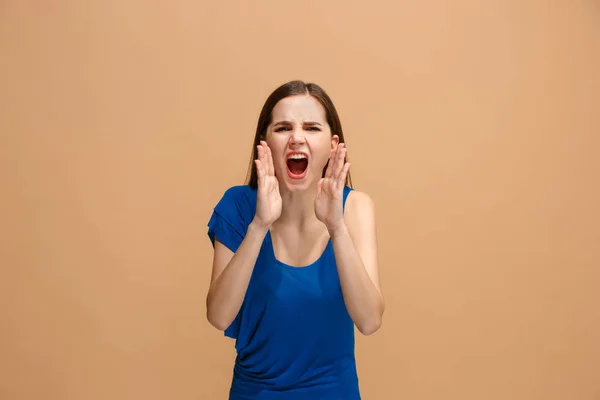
column 320, row 187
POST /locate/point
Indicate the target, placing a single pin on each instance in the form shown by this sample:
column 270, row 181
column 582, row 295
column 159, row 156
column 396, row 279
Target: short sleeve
column 228, row 224
column 347, row 190
column 231, row 217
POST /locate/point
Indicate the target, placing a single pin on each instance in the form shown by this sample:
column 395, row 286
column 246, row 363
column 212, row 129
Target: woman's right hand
column 268, row 199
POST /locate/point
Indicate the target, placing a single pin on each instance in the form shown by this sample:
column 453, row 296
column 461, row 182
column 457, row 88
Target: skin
column 301, row 216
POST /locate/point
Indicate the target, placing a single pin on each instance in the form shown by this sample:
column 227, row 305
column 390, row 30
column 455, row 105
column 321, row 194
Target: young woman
column 295, row 257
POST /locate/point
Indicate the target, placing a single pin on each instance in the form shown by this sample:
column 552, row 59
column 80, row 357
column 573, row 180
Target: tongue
column 297, row 167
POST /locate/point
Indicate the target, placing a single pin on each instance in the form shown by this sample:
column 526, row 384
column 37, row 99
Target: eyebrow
column 288, row 123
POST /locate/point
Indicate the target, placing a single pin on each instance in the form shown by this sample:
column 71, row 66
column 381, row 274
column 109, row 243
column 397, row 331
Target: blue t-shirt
column 294, row 336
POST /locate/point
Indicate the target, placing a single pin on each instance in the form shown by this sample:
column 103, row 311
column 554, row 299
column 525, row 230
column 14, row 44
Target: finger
column 326, row 182
column 264, row 158
column 271, row 167
column 344, row 173
column 320, row 187
column 260, row 163
column 259, row 150
column 339, row 162
column 332, row 155
column 259, row 172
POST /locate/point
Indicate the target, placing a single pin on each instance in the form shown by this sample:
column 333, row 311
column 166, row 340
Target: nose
column 297, row 137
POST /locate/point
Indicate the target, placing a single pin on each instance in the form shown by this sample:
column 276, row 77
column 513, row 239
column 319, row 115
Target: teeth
column 297, row 156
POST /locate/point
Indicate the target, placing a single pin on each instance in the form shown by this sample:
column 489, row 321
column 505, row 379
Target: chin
column 298, row 183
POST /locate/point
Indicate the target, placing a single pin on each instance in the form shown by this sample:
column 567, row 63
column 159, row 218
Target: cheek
column 277, row 151
column 321, row 149
column 321, row 163
column 274, row 144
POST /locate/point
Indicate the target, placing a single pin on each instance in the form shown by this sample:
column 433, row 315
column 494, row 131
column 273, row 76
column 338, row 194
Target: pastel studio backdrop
column 474, row 126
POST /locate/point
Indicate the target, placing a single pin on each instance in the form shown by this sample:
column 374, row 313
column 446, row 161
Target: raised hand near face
column 330, row 190
column 268, row 199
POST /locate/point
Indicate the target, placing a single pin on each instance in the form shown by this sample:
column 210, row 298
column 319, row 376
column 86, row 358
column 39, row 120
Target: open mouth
column 297, row 164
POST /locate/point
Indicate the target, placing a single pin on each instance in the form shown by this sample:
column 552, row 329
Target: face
column 300, row 140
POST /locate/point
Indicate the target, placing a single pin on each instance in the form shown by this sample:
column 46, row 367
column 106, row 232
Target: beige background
column 474, row 125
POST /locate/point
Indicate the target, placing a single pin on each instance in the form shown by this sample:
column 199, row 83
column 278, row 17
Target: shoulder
column 237, row 203
column 237, row 196
column 238, row 191
column 359, row 214
column 231, row 216
column 359, row 204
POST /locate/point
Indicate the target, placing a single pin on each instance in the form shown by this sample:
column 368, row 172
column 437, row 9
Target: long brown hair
column 293, row 88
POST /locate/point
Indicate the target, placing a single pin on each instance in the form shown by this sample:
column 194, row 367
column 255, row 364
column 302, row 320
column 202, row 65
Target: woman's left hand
column 330, row 190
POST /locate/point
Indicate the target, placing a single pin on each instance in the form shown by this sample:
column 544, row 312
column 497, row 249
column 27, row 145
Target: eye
column 282, row 128
column 314, row 128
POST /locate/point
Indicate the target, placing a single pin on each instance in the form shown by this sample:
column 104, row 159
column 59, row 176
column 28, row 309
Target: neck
column 298, row 207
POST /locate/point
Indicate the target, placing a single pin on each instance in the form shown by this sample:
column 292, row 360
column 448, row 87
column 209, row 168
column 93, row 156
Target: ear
column 335, row 139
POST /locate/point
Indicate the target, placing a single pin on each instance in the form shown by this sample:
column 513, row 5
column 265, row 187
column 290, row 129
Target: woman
column 295, row 257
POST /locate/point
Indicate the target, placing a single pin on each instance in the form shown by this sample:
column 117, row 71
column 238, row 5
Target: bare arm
column 355, row 249
column 232, row 271
column 231, row 274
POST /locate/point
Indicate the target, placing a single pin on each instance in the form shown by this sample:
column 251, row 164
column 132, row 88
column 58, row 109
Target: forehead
column 299, row 109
